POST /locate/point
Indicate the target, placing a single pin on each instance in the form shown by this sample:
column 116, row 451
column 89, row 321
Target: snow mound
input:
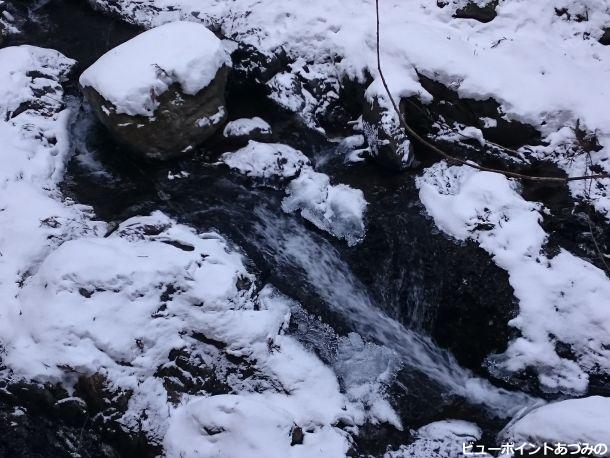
column 266, row 160
column 119, row 306
column 337, row 209
column 573, row 421
column 133, row 75
column 561, row 298
column 244, row 126
column 441, row 439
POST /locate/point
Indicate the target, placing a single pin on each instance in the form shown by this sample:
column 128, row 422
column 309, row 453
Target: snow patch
column 573, row 421
column 337, row 209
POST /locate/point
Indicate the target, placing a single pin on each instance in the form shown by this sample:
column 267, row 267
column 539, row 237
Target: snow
column 266, row 160
column 562, row 298
column 338, row 209
column 181, row 52
column 33, row 132
column 572, row 421
column 246, row 126
column 96, row 305
column 441, row 439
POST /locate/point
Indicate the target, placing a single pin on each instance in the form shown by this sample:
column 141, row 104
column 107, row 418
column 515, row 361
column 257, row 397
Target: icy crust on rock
column 266, row 160
column 34, row 151
column 561, row 298
column 575, row 421
column 133, row 75
column 244, row 126
column 337, row 209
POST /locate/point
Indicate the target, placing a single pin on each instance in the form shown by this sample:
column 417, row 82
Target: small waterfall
column 291, row 245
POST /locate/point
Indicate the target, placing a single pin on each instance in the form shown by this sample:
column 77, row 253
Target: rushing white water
column 292, row 245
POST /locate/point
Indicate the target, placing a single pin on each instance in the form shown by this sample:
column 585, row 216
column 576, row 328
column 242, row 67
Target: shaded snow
column 134, row 74
column 34, row 217
column 562, row 298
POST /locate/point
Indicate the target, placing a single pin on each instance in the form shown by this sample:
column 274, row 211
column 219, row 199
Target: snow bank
column 266, row 160
column 119, row 305
column 35, row 148
column 133, row 75
column 244, row 126
column 561, row 298
column 337, row 209
column 573, row 421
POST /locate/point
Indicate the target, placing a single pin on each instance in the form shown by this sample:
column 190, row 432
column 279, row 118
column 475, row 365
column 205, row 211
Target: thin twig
column 451, row 158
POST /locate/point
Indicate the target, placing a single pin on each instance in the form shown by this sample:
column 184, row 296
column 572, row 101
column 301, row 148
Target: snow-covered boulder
column 441, row 439
column 245, row 129
column 162, row 92
column 575, row 421
column 267, row 160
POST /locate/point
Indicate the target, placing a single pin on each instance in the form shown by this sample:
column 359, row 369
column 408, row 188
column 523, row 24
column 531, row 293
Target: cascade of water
column 292, row 245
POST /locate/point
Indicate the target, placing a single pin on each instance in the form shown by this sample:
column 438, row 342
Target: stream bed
column 438, row 306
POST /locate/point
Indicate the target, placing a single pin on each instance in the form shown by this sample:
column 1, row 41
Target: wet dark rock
column 419, row 400
column 568, row 15
column 42, row 421
column 252, row 66
column 98, row 396
column 180, row 123
column 296, row 435
column 472, row 10
column 448, row 104
column 605, row 38
column 73, row 411
column 387, row 140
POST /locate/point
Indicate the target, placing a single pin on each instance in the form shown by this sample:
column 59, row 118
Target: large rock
column 161, row 93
